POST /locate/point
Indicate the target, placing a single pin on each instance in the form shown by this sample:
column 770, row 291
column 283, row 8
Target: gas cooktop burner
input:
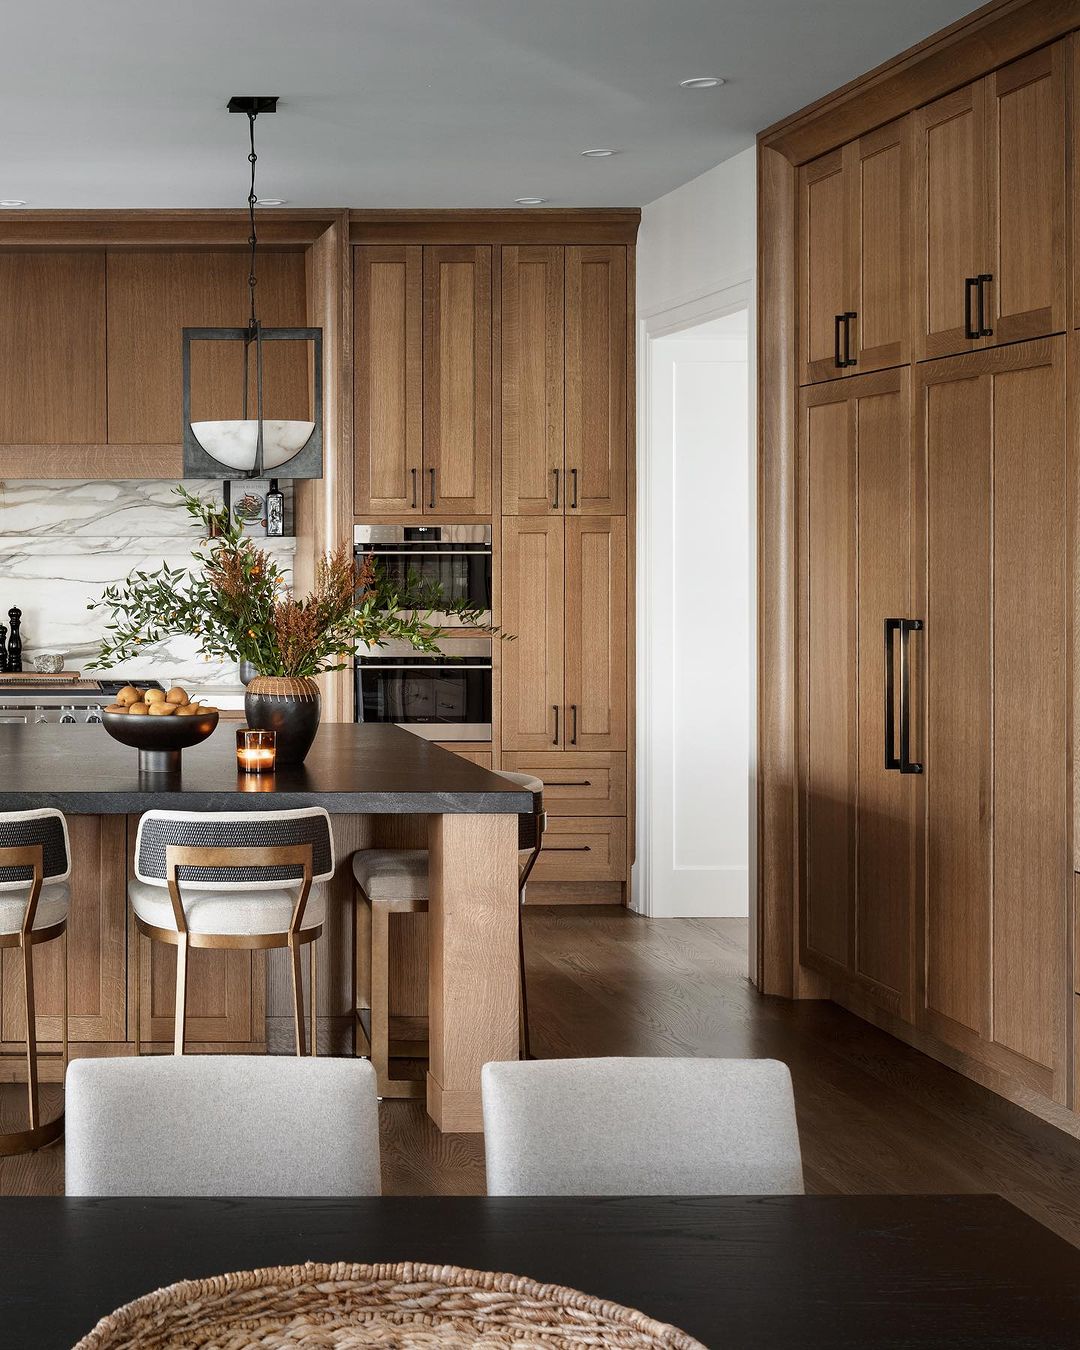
column 113, row 687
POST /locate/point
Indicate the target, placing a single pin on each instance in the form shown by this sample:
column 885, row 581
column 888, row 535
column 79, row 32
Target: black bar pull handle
column 983, row 279
column 555, row 498
column 432, row 500
column 568, row 782
column 907, row 764
column 414, row 501
column 970, row 284
column 847, row 316
column 838, row 323
column 573, row 489
column 573, row 724
column 555, row 709
column 567, row 848
column 892, row 761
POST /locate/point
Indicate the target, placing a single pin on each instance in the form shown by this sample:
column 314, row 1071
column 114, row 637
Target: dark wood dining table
column 777, row 1271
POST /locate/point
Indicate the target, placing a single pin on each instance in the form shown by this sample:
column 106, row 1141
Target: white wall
column 696, row 530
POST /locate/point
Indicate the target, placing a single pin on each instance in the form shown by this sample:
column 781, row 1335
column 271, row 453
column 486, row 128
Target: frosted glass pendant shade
column 233, row 442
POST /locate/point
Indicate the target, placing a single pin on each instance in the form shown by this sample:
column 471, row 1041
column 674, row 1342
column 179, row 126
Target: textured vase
column 288, row 706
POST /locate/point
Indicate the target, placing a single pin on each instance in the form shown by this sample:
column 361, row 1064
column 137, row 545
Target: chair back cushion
column 222, row 1125
column 158, row 830
column 640, row 1127
column 45, row 826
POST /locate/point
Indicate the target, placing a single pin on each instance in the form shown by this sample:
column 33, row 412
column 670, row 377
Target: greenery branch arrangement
column 238, row 606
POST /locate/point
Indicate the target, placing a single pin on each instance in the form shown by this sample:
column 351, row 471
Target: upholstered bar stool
column 395, row 881
column 35, row 863
column 247, row 879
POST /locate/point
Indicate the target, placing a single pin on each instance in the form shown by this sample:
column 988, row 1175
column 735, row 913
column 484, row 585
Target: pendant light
column 253, row 447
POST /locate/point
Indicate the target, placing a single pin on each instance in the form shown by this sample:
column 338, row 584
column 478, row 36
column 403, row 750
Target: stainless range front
column 70, row 702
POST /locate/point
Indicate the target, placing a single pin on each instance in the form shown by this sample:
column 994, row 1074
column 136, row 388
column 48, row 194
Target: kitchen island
column 383, row 787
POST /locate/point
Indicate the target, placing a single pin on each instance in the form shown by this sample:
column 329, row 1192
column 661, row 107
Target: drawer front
column 481, row 757
column 576, row 784
column 582, row 848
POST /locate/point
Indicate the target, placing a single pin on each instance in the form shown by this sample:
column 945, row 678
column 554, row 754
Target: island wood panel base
column 473, row 965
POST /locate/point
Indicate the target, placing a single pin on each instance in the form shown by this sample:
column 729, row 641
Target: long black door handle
column 555, row 709
column 414, row 501
column 847, row 316
column 573, row 724
column 567, row 848
column 907, row 764
column 892, row 761
column 980, row 304
column 573, row 489
column 432, row 500
column 555, row 499
column 567, row 782
column 838, row 323
column 970, row 284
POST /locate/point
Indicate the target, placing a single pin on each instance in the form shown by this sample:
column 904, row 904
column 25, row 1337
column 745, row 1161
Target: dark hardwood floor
column 874, row 1115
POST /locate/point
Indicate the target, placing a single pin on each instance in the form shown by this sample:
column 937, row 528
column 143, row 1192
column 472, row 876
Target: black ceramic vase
column 290, row 707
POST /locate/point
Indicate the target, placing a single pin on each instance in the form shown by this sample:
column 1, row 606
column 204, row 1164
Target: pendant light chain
column 253, row 239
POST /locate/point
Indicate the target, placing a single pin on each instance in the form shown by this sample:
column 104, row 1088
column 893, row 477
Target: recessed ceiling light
column 701, row 82
column 530, row 201
column 598, row 154
column 272, row 201
column 12, row 201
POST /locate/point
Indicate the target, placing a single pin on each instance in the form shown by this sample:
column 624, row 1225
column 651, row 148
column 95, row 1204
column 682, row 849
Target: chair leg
column 64, row 1028
column 526, row 1050
column 314, row 998
column 138, row 991
column 181, row 996
column 298, row 993
column 361, row 962
column 31, row 1034
column 380, row 994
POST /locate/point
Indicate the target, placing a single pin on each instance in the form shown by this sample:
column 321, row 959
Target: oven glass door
column 421, row 691
column 463, row 571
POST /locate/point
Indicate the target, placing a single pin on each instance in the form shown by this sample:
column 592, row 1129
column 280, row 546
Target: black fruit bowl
column 159, row 740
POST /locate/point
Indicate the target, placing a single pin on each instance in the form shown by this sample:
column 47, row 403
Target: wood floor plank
column 874, row 1115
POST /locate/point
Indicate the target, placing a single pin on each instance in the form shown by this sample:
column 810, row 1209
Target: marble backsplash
column 63, row 542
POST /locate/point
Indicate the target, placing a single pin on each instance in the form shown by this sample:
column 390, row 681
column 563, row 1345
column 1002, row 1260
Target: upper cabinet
column 990, row 193
column 422, row 325
column 52, row 348
column 595, row 376
column 854, row 251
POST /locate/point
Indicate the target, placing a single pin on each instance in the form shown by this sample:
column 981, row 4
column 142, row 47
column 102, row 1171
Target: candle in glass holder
column 256, row 751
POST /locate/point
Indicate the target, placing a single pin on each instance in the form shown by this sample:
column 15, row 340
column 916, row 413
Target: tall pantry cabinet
column 935, row 574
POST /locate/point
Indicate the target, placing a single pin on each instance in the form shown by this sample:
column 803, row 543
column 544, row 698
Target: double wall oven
column 443, row 697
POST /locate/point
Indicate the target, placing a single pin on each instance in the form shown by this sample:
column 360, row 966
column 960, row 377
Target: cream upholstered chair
column 641, row 1127
column 222, row 1125
column 395, row 881
column 248, row 879
column 35, row 863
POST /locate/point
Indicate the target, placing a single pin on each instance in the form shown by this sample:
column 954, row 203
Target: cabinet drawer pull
column 980, row 305
column 970, row 284
column 551, row 782
column 432, row 501
column 848, row 315
column 555, row 499
column 567, row 848
column 573, row 723
column 573, row 489
column 555, row 710
column 838, row 360
column 415, row 503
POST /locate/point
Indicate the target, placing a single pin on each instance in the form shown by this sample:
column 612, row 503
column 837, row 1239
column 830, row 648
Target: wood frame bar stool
column 246, row 879
column 395, row 881
column 35, row 864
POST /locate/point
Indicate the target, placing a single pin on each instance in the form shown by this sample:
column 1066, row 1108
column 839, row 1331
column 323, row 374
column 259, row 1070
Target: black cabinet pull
column 847, row 316
column 567, row 848
column 555, row 709
column 432, row 501
column 892, row 626
column 838, row 323
column 573, row 489
column 970, row 284
column 980, row 305
column 551, row 782
column 573, row 715
column 555, row 499
column 907, row 764
column 414, row 502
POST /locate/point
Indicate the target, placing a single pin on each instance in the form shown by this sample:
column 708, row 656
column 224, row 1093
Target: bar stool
column 395, row 881
column 251, row 880
column 35, row 863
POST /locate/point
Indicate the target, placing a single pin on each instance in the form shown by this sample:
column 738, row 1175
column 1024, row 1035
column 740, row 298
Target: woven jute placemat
column 344, row 1307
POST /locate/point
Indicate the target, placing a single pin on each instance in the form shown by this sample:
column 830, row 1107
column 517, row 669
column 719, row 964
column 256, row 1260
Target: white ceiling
column 120, row 103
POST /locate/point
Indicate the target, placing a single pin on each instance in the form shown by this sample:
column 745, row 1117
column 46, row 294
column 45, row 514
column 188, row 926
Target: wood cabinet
column 564, row 596
column 596, row 380
column 854, row 251
column 152, row 296
column 422, row 380
column 388, row 378
column 587, row 848
column 576, row 784
column 52, row 348
column 990, row 195
column 860, row 826
column 992, row 430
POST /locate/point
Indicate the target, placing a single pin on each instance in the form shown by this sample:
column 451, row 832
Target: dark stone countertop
column 364, row 769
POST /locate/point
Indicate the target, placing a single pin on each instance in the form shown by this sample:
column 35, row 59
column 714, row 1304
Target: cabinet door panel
column 952, row 241
column 219, row 994
column 457, row 380
column 596, row 633
column 1027, row 176
column 532, row 382
column 532, row 610
column 596, row 352
column 152, row 296
column 880, row 288
column 52, row 348
column 586, row 848
column 823, row 214
column 388, row 379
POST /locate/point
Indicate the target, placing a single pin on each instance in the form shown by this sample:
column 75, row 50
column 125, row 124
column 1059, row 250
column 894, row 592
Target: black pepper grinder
column 3, row 649
column 14, row 646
